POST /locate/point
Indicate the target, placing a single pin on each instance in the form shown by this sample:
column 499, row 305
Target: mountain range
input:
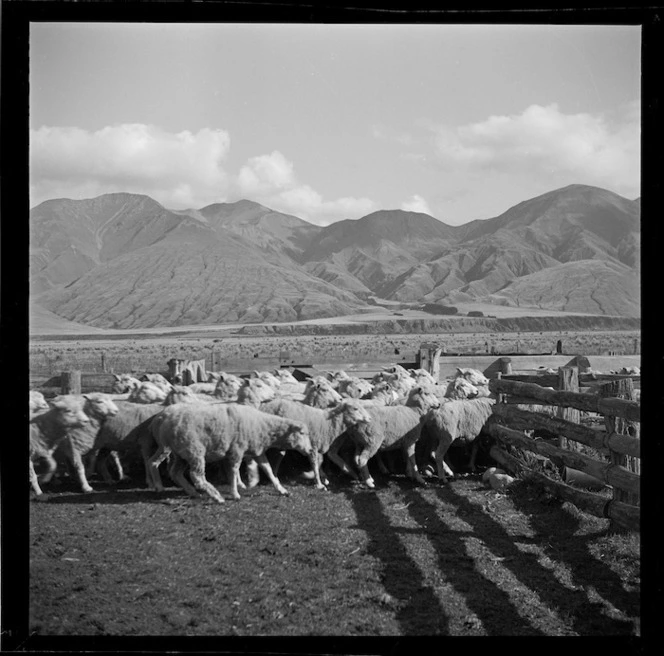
column 124, row 261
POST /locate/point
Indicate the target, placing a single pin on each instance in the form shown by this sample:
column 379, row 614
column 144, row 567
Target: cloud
column 542, row 140
column 178, row 170
column 271, row 180
column 416, row 204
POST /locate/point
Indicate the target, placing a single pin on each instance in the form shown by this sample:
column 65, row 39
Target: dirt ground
column 458, row 560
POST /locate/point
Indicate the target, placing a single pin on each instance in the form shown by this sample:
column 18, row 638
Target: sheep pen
column 402, row 559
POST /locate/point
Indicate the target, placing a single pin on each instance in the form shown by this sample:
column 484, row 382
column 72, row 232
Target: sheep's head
column 460, row 388
column 473, row 376
column 321, row 395
column 37, row 402
column 353, row 413
column 298, row 435
column 254, row 392
column 70, row 411
column 124, row 383
column 99, row 406
column 285, row 376
column 180, row 394
column 421, row 397
column 148, row 392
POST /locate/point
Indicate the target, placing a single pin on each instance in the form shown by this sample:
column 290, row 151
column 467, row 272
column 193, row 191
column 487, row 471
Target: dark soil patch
column 400, row 560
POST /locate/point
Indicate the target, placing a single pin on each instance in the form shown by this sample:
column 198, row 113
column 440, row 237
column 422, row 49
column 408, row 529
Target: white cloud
column 179, row 170
column 271, row 181
column 416, row 204
column 183, row 169
column 584, row 148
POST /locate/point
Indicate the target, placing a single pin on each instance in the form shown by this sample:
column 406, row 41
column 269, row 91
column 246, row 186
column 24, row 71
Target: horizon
column 387, row 209
column 334, row 122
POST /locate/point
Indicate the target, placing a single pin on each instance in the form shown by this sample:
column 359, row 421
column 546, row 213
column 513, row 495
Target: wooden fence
column 619, row 439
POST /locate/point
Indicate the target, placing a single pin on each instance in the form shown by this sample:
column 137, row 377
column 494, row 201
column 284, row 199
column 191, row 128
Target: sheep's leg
column 233, row 462
column 75, row 458
column 105, row 472
column 333, row 455
column 176, row 472
column 323, row 476
column 91, row 466
column 443, row 446
column 152, row 468
column 264, row 464
column 51, row 466
column 316, row 460
column 411, row 464
column 152, row 475
column 381, row 465
column 361, row 460
column 197, row 474
column 473, row 455
column 253, row 476
column 277, row 462
column 33, row 480
column 115, row 458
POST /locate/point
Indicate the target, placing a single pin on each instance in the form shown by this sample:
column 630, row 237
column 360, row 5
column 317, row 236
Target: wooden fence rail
column 629, row 410
column 623, row 447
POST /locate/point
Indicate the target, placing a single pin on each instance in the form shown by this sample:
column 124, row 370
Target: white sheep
column 457, row 420
column 228, row 386
column 391, row 427
column 326, row 426
column 224, row 431
column 213, row 376
column 79, row 441
column 460, row 388
column 148, row 392
column 203, row 388
column 267, row 377
column 355, row 388
column 124, row 383
column 319, row 393
column 285, row 376
column 423, row 377
column 49, row 428
column 156, row 379
column 254, row 392
column 37, row 403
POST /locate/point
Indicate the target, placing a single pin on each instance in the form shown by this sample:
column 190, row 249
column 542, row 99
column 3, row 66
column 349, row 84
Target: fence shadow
column 419, row 610
column 586, row 617
column 565, row 546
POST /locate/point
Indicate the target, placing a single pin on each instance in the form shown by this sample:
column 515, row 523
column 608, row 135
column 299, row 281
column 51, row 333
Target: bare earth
column 401, row 560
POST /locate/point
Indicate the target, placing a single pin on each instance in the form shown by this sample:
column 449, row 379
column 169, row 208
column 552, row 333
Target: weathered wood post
column 70, row 382
column 636, row 346
column 429, row 358
column 505, row 366
column 568, row 380
column 103, row 361
column 623, row 389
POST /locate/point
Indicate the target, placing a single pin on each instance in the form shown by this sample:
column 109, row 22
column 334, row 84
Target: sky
column 332, row 122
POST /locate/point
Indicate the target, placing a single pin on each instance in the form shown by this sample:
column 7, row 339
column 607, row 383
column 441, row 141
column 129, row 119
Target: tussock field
column 149, row 352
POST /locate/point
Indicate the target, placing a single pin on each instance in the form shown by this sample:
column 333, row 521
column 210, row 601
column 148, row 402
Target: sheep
column 460, row 388
column 321, row 395
column 124, row 383
column 457, row 420
column 423, row 377
column 254, row 392
column 156, row 379
column 203, row 388
column 285, row 376
column 355, row 388
column 382, row 394
column 326, row 426
column 224, row 431
column 50, row 428
column 213, row 376
column 267, row 377
column 391, row 427
column 148, row 392
column 79, row 441
column 37, row 403
column 228, row 386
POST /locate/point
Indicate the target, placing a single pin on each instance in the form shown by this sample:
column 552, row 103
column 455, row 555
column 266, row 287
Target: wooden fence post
column 623, row 389
column 70, row 382
column 429, row 359
column 103, row 361
column 568, row 380
column 505, row 366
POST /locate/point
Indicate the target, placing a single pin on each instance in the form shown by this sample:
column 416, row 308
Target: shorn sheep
column 200, row 433
column 79, row 441
column 49, row 428
column 460, row 420
column 391, row 427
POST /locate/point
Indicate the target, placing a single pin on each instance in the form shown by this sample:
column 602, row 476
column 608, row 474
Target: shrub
column 476, row 313
column 437, row 308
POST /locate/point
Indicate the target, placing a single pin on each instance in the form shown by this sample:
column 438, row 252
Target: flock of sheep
column 236, row 420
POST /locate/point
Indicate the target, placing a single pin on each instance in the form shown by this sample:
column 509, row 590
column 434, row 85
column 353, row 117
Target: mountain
column 123, row 260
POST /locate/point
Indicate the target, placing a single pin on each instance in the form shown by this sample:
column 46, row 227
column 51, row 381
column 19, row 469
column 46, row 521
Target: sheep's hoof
column 322, row 487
